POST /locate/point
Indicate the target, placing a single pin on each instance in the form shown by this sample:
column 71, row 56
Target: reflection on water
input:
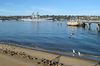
column 74, row 27
column 98, row 31
column 59, row 23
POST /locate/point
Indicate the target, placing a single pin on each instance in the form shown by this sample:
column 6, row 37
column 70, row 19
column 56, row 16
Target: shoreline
column 64, row 59
column 92, row 57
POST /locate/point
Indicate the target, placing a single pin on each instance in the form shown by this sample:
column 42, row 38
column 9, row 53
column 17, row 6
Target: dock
column 74, row 23
column 83, row 23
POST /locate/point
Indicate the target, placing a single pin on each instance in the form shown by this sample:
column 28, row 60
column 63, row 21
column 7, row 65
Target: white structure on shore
column 36, row 18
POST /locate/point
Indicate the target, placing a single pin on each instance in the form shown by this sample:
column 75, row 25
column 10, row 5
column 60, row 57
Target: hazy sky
column 49, row 7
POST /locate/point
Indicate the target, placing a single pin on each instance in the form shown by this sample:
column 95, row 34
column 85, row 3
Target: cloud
column 9, row 3
column 4, row 10
column 9, row 11
column 33, row 7
column 95, row 12
column 92, row 12
column 28, row 12
column 48, row 10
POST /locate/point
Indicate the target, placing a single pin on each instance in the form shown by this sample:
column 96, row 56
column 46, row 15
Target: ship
column 36, row 18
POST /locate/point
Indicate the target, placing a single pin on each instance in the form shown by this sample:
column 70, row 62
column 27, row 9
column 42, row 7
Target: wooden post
column 83, row 24
column 88, row 24
column 97, row 26
column 61, row 23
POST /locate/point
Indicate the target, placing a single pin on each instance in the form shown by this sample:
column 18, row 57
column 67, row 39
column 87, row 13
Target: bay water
column 52, row 37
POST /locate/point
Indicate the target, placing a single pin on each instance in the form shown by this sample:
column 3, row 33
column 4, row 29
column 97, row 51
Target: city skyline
column 49, row 7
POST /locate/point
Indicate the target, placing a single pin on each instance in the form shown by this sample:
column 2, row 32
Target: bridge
column 88, row 22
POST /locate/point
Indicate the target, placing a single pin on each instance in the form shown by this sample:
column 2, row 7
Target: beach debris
column 7, row 49
column 11, row 53
column 55, row 63
column 38, row 62
column 47, row 61
column 29, row 57
column 42, row 60
column 71, row 35
column 3, row 51
column 23, row 54
column 56, row 60
column 61, row 64
column 49, row 64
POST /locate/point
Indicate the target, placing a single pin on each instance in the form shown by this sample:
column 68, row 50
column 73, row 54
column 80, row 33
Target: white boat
column 36, row 18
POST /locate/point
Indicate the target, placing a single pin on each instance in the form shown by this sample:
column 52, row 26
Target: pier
column 90, row 22
column 83, row 22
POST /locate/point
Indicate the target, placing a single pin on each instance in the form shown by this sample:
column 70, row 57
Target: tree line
column 56, row 17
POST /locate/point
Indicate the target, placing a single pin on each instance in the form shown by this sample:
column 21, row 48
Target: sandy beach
column 11, row 55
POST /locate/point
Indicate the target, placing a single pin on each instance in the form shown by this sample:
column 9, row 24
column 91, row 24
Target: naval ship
column 36, row 18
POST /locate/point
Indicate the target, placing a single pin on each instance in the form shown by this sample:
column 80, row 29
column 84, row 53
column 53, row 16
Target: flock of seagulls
column 73, row 49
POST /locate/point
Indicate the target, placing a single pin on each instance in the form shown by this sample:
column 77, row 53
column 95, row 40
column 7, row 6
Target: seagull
column 73, row 52
column 71, row 35
column 79, row 54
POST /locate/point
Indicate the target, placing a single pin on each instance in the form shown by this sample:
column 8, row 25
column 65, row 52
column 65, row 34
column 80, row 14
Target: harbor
column 50, row 33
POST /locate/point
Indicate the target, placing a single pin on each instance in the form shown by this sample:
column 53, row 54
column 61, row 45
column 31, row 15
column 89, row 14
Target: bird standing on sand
column 79, row 54
column 71, row 35
column 73, row 52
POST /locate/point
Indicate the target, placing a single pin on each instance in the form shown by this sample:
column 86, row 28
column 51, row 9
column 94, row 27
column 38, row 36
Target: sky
column 49, row 7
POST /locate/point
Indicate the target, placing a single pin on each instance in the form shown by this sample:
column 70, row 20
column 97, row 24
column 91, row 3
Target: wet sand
column 30, row 57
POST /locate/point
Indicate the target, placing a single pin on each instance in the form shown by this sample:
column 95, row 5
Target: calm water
column 51, row 36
